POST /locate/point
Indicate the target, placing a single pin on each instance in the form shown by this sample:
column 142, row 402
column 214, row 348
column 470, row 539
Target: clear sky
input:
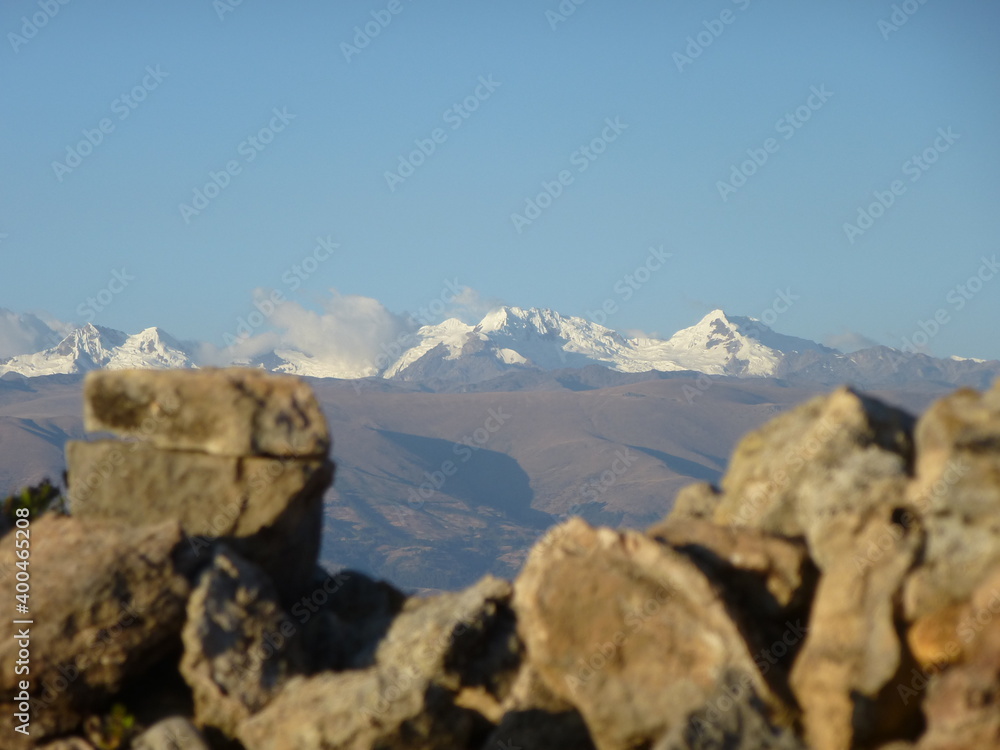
column 670, row 99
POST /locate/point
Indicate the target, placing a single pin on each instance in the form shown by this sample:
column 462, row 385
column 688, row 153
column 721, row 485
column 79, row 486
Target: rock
column 781, row 567
column 240, row 646
column 628, row 630
column 174, row 733
column 845, row 676
column 934, row 639
column 963, row 702
column 226, row 412
column 269, row 510
column 107, row 600
column 344, row 617
column 696, row 501
column 361, row 710
column 733, row 723
column 957, row 492
column 67, row 743
column 439, row 655
column 533, row 718
column 761, row 487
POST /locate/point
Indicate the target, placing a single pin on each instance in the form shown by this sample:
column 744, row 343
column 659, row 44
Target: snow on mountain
column 452, row 334
column 717, row 345
column 723, row 345
column 510, row 339
column 94, row 347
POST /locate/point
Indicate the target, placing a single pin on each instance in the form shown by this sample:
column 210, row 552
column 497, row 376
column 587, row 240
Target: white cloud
column 849, row 341
column 25, row 334
column 470, row 306
column 351, row 331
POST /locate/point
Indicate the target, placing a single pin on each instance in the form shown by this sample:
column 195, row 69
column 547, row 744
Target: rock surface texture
column 232, row 454
column 839, row 590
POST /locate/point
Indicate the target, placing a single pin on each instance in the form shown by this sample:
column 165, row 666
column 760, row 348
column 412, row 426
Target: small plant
column 37, row 499
column 113, row 731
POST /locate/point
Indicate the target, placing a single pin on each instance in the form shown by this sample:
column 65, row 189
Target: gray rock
column 240, row 646
column 442, row 664
column 845, row 675
column 270, row 510
column 174, row 733
column 227, row 412
column 107, row 601
column 734, row 718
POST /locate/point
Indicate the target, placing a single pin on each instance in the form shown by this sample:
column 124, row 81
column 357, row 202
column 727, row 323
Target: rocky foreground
column 840, row 590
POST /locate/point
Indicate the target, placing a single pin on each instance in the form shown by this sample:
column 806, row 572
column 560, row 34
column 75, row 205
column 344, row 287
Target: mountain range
column 521, row 345
column 459, row 445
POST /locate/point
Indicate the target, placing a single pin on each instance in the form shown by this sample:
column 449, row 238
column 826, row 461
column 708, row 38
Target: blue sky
column 537, row 85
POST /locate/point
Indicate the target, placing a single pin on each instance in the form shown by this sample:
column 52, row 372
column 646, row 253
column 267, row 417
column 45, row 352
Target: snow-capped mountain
column 94, row 347
column 513, row 339
column 544, row 339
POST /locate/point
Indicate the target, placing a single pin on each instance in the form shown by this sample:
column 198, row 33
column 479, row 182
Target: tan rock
column 957, row 492
column 270, row 510
column 782, row 565
column 934, row 640
column 845, row 676
column 962, row 704
column 695, row 501
column 761, row 487
column 628, row 630
column 533, row 718
column 227, row 412
column 107, row 601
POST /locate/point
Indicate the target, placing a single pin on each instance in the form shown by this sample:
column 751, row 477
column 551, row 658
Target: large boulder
column 269, row 509
column 812, row 444
column 107, row 601
column 739, row 723
column 769, row 574
column 225, row 412
column 846, row 674
column 962, row 702
column 240, row 646
column 533, row 718
column 629, row 631
column 443, row 665
column 957, row 492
